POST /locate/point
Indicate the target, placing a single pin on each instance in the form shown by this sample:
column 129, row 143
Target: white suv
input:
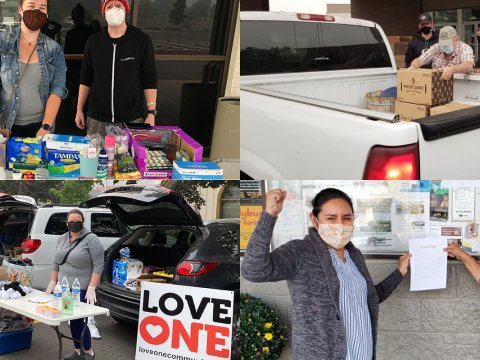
column 50, row 222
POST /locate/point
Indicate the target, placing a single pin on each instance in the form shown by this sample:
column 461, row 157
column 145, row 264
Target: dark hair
column 75, row 211
column 78, row 14
column 326, row 195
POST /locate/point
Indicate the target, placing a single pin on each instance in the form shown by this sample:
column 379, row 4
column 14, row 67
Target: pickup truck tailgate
column 283, row 139
column 447, row 142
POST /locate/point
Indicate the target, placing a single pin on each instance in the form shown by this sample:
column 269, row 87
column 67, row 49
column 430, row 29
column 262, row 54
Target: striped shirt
column 354, row 308
column 461, row 53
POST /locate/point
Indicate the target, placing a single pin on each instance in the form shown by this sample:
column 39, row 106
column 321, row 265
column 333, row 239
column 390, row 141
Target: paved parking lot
column 117, row 343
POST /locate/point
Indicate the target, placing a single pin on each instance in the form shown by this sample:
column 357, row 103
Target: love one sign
column 183, row 322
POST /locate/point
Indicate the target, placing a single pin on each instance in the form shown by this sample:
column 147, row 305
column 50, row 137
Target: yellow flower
column 265, row 349
column 268, row 336
column 268, row 325
column 258, row 334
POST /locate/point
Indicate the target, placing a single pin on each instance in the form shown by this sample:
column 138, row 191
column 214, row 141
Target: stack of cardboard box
column 399, row 45
column 419, row 90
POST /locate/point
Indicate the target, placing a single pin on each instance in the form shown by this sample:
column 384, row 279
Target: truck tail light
column 393, row 163
column 314, row 17
column 195, row 268
column 29, row 246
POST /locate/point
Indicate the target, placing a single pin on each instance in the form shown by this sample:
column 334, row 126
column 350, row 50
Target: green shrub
column 262, row 336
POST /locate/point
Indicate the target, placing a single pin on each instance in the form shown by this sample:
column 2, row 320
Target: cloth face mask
column 335, row 235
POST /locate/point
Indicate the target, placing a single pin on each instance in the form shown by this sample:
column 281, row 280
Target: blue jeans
column 76, row 327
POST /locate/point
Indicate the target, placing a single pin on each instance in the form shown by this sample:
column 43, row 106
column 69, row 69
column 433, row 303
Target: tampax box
column 408, row 111
column 453, row 106
column 423, row 87
column 179, row 139
column 63, row 154
column 187, row 170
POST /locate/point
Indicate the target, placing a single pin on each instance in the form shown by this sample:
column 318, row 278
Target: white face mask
column 335, row 235
column 115, row 16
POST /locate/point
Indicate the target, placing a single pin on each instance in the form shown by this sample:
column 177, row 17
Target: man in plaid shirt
column 450, row 55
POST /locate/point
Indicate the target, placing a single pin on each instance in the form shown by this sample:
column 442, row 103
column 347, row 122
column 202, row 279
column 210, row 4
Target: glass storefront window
column 471, row 14
column 445, row 16
column 180, row 27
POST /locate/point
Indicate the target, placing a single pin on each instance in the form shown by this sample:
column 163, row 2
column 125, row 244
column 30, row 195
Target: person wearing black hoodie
column 422, row 40
column 118, row 74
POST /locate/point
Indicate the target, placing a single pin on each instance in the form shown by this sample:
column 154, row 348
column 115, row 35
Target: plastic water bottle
column 76, row 292
column 57, row 297
column 64, row 284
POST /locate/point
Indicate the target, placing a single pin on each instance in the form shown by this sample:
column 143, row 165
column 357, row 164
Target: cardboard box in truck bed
column 408, row 111
column 423, row 87
column 452, row 106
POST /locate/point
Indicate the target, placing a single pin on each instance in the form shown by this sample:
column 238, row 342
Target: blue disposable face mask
column 448, row 49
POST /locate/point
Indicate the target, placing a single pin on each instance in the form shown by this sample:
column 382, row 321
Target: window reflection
column 178, row 26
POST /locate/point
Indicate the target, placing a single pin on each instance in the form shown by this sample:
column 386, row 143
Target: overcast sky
column 311, row 6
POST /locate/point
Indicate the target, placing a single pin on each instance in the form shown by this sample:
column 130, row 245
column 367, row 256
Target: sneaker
column 94, row 333
column 89, row 356
column 72, row 356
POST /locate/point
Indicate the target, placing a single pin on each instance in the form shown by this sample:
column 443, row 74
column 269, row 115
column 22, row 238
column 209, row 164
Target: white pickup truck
column 303, row 116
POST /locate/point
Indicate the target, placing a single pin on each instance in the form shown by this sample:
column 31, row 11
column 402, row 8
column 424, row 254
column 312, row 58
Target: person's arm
column 472, row 265
column 53, row 282
column 86, row 81
column 150, row 98
column 409, row 55
column 425, row 58
column 386, row 287
column 259, row 264
column 149, row 79
column 51, row 110
column 97, row 257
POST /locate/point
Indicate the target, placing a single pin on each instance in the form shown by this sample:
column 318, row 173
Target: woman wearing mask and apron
column 334, row 300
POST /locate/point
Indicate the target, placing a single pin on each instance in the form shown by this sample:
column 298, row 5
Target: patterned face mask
column 34, row 19
column 335, row 235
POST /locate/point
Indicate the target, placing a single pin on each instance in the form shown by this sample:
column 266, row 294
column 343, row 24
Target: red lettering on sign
column 179, row 331
column 213, row 341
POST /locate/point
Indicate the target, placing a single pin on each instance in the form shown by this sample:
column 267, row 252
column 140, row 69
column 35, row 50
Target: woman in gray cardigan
column 334, row 300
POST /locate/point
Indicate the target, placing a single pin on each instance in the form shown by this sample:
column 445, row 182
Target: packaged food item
column 121, row 139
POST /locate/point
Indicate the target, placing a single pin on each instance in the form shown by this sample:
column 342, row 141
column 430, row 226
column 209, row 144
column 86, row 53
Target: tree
column 200, row 9
column 39, row 189
column 190, row 189
column 177, row 14
column 73, row 192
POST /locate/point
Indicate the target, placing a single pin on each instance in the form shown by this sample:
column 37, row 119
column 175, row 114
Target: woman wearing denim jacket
column 29, row 107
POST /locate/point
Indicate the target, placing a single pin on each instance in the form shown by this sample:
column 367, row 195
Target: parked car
column 16, row 217
column 168, row 233
column 214, row 262
column 49, row 222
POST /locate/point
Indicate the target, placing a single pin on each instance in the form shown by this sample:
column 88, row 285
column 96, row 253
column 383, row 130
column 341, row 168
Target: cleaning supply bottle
column 110, row 149
column 102, row 169
column 76, row 292
column 67, row 303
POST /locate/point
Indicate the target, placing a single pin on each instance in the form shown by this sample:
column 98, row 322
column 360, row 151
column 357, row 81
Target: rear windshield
column 272, row 47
